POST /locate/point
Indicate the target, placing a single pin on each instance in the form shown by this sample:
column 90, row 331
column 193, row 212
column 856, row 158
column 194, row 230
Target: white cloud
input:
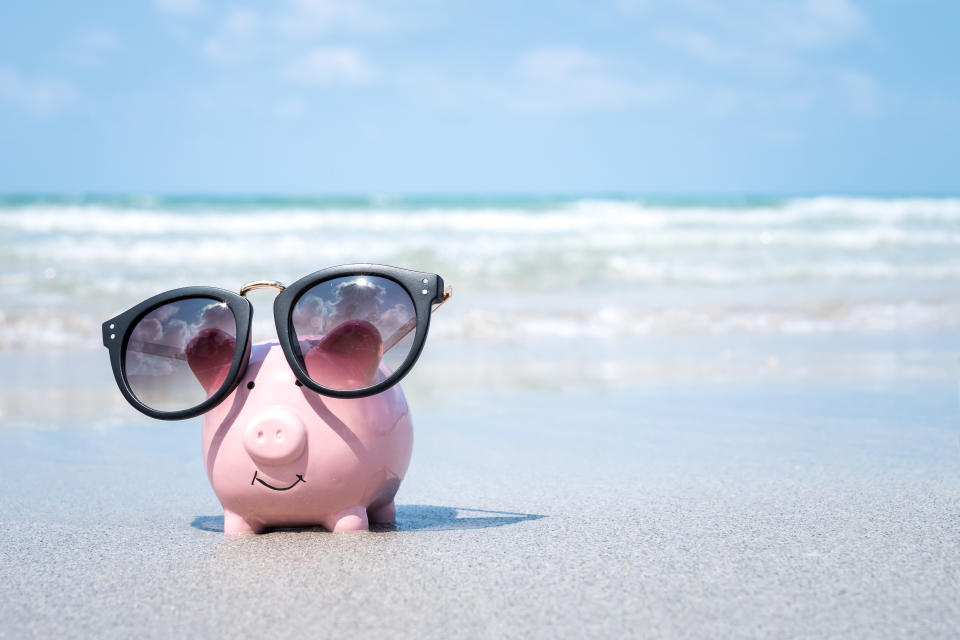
column 701, row 45
column 558, row 63
column 858, row 90
column 40, row 96
column 179, row 7
column 771, row 52
column 238, row 38
column 287, row 39
column 93, row 46
column 571, row 79
column 636, row 7
column 327, row 65
column 550, row 80
column 214, row 316
column 759, row 35
column 810, row 24
column 357, row 299
column 302, row 18
column 296, row 23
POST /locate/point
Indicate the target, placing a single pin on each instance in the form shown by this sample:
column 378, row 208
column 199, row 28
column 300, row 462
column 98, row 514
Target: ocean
column 576, row 293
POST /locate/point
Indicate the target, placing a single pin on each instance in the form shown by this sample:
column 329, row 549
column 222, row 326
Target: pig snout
column 275, row 436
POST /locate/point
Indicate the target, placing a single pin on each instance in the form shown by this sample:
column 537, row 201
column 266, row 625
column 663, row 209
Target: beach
column 737, row 511
column 633, row 419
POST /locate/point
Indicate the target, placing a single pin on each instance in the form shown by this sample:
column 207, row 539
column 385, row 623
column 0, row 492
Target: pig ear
column 210, row 354
column 346, row 358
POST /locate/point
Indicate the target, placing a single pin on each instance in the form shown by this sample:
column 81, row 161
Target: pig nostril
column 275, row 436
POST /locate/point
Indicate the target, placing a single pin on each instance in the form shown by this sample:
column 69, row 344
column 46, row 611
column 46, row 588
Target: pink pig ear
column 347, row 358
column 210, row 354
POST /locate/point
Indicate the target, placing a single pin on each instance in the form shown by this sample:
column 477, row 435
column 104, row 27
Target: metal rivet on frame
column 424, row 292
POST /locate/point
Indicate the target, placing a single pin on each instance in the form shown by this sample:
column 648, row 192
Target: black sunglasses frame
column 424, row 289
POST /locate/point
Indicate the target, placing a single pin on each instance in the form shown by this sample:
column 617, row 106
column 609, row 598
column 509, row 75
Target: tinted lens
column 179, row 354
column 354, row 332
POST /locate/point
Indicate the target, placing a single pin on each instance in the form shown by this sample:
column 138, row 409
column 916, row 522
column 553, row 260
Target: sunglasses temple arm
column 447, row 292
column 155, row 349
column 411, row 324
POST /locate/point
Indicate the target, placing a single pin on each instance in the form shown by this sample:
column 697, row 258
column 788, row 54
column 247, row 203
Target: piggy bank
column 280, row 455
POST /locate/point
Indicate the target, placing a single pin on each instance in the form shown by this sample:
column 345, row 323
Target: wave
column 821, row 238
column 551, row 218
column 63, row 329
column 130, row 247
column 656, row 266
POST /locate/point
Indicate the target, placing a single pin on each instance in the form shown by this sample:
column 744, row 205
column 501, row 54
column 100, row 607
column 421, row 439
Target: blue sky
column 330, row 96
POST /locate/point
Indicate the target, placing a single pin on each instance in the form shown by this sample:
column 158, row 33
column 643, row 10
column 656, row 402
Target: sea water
column 572, row 293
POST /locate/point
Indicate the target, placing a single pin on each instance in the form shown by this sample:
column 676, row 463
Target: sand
column 684, row 511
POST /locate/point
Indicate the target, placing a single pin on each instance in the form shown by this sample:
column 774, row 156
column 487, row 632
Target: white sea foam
column 611, row 324
column 888, row 264
column 557, row 218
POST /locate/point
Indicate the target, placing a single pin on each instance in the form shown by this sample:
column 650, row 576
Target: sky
column 431, row 96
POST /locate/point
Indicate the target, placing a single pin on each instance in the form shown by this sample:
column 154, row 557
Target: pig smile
column 269, row 486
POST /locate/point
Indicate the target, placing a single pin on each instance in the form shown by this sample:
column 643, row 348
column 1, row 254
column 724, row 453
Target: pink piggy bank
column 280, row 455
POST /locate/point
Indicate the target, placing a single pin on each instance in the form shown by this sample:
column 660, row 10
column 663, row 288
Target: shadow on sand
column 416, row 517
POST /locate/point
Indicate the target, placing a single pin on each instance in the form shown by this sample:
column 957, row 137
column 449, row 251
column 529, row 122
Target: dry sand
column 734, row 511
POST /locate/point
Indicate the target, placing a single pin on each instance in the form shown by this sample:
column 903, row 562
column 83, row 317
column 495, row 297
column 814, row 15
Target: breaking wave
column 539, row 268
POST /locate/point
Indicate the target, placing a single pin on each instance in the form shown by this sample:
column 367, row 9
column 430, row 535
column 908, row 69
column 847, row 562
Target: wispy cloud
column 239, row 37
column 858, row 90
column 327, row 65
column 564, row 79
column 759, row 34
column 772, row 52
column 809, row 24
column 93, row 46
column 558, row 63
column 304, row 18
column 292, row 39
column 547, row 80
column 244, row 33
column 37, row 96
column 179, row 7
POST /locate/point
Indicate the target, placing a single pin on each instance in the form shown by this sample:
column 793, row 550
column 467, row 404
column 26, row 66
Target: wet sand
column 724, row 510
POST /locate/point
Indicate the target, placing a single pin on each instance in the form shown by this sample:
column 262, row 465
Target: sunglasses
column 347, row 332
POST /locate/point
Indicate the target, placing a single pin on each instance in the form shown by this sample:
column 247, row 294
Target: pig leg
column 382, row 513
column 352, row 519
column 234, row 524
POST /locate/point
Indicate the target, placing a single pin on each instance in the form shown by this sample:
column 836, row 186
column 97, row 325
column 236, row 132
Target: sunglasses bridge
column 261, row 284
